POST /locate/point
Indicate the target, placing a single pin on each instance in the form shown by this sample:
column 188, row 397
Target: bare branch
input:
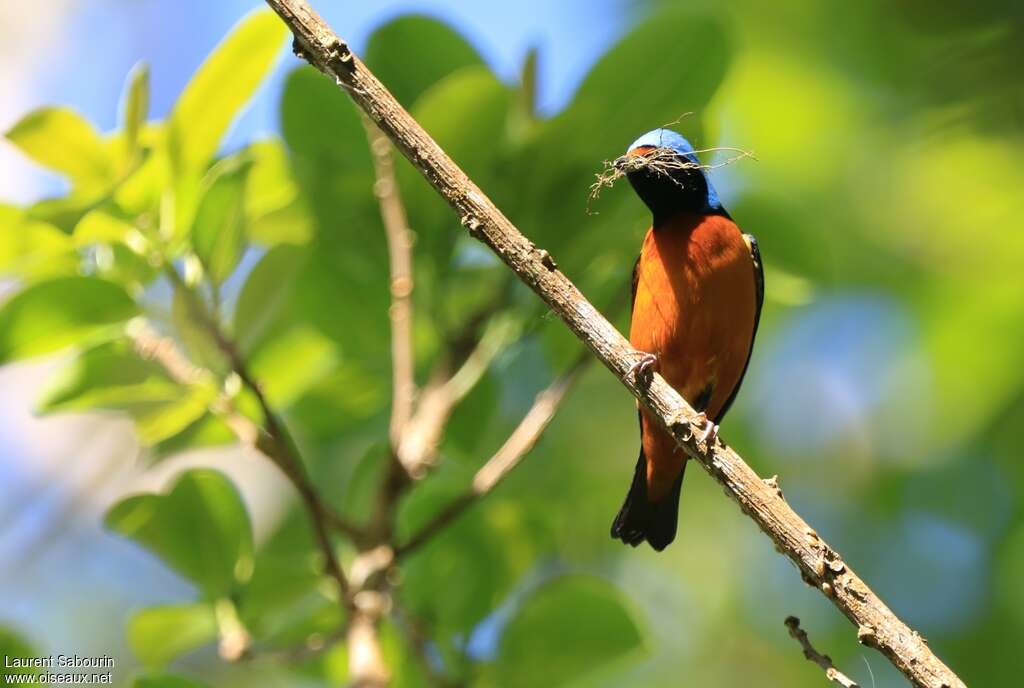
column 418, row 444
column 396, row 228
column 819, row 564
column 366, row 663
column 824, row 661
column 518, row 445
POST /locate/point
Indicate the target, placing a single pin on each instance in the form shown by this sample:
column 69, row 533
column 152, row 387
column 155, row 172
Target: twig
column 151, row 345
column 824, row 661
column 819, row 564
column 399, row 238
column 518, row 445
column 417, row 447
column 273, row 440
column 366, row 663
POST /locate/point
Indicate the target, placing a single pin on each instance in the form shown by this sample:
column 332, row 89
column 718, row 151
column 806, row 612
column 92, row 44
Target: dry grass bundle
column 662, row 160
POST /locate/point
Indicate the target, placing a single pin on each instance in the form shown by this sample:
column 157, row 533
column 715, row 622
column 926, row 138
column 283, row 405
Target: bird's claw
column 643, row 370
column 709, row 435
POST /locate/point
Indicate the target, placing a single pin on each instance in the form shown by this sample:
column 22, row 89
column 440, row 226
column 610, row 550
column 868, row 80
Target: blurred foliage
column 886, row 387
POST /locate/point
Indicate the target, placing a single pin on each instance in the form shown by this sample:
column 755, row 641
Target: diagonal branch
column 824, row 661
column 762, row 501
column 518, row 445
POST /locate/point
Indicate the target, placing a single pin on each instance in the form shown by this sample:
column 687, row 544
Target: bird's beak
column 621, row 163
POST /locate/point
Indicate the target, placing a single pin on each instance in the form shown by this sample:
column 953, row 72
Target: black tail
column 639, row 519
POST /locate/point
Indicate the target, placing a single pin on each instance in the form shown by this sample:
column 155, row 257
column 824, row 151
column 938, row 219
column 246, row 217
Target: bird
column 698, row 289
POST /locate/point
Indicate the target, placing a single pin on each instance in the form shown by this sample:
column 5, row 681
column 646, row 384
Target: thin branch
column 399, row 238
column 819, row 564
column 824, row 661
column 518, row 445
column 418, row 444
column 366, row 663
column 273, row 439
column 151, row 345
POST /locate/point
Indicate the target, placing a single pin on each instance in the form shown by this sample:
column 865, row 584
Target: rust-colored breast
column 695, row 307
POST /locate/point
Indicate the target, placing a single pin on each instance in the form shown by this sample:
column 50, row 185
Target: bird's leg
column 643, row 370
column 710, row 434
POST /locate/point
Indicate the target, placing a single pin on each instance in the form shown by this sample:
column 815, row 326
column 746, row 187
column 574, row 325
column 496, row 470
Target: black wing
column 755, row 257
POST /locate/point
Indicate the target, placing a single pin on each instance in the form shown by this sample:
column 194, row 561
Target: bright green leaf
column 291, row 362
column 34, row 249
column 159, row 634
column 265, row 293
column 289, row 224
column 208, row 431
column 61, row 140
column 218, row 232
column 441, row 51
column 98, row 226
column 568, row 628
column 108, row 376
column 221, row 87
column 135, row 107
column 157, row 423
column 48, row 316
column 200, row 528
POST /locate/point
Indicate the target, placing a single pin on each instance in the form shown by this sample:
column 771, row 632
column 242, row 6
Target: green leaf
column 13, row 646
column 488, row 551
column 200, row 529
column 159, row 634
column 135, row 107
column 166, row 681
column 265, row 294
column 570, row 627
column 438, row 49
column 113, row 377
column 624, row 95
column 320, row 123
column 98, row 226
column 467, row 113
column 221, row 87
column 208, row 431
column 61, row 140
column 50, row 315
column 276, row 212
column 291, row 362
column 33, row 249
column 197, row 341
column 108, row 376
column 218, row 232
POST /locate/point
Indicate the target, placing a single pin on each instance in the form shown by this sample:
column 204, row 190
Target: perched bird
column 697, row 294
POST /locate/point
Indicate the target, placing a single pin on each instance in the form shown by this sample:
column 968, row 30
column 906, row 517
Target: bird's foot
column 643, row 370
column 709, row 434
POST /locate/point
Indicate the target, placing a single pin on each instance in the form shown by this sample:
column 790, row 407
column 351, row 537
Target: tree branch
column 518, row 445
column 820, row 565
column 824, row 661
column 399, row 238
column 274, row 441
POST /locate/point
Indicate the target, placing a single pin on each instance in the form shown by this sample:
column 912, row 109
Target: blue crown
column 666, row 138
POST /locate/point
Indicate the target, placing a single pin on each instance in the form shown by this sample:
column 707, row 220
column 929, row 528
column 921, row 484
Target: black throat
column 669, row 194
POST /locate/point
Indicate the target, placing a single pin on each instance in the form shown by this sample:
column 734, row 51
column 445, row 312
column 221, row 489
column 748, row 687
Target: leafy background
column 886, row 388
